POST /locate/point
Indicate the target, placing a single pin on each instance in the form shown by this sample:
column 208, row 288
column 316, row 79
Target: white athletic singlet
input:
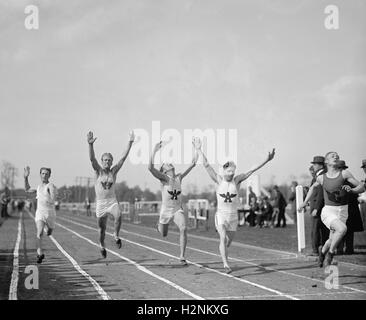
column 227, row 197
column 171, row 193
column 105, row 191
column 105, row 186
column 46, row 204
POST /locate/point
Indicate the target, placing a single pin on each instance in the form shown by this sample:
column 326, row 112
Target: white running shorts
column 228, row 220
column 178, row 217
column 331, row 213
column 107, row 206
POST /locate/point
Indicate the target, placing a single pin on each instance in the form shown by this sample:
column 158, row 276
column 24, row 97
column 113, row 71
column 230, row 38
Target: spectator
column 280, row 206
column 251, row 195
column 253, row 208
column 319, row 232
column 260, row 213
column 292, row 201
column 354, row 221
column 4, row 201
column 362, row 197
column 87, row 207
column 268, row 213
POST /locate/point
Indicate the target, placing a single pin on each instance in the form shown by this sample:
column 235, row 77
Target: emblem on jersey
column 228, row 196
column 106, row 185
column 174, row 194
column 337, row 196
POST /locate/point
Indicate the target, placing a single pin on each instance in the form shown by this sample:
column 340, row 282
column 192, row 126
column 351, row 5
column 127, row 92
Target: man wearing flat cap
column 319, row 232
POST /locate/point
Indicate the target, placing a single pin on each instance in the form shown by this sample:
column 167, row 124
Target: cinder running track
column 147, row 267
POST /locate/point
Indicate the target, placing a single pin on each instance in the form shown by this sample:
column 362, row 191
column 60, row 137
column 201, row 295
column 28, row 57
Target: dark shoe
column 40, row 258
column 321, row 259
column 328, row 258
column 119, row 243
column 103, row 252
column 183, row 262
column 228, row 270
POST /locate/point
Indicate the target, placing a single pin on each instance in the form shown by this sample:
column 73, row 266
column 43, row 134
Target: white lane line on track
column 236, row 259
column 138, row 266
column 275, row 296
column 15, row 274
column 94, row 283
column 194, row 263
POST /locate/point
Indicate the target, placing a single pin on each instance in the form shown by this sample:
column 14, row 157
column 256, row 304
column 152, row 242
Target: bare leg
column 339, row 232
column 183, row 242
column 163, row 229
column 327, row 244
column 229, row 239
column 222, row 247
column 40, row 225
column 117, row 226
column 102, row 225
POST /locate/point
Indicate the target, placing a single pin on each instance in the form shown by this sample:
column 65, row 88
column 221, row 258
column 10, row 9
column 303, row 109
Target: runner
column 335, row 212
column 46, row 194
column 106, row 199
column 171, row 191
column 227, row 190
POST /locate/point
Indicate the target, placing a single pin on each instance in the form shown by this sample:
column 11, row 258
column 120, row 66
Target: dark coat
column 354, row 221
column 317, row 199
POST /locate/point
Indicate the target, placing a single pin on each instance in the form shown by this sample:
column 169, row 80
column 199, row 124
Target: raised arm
column 195, row 143
column 92, row 158
column 211, row 172
column 358, row 186
column 120, row 163
column 310, row 193
column 27, row 187
column 241, row 177
column 156, row 173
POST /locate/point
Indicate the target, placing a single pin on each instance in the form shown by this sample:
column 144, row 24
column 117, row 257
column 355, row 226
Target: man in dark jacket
column 4, row 201
column 354, row 221
column 280, row 206
column 319, row 232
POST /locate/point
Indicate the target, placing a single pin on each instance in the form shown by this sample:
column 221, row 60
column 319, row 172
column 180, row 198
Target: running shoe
column 119, row 243
column 103, row 251
column 183, row 262
column 228, row 270
column 329, row 258
column 40, row 258
column 321, row 258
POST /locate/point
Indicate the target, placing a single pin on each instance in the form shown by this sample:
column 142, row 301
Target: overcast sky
column 268, row 68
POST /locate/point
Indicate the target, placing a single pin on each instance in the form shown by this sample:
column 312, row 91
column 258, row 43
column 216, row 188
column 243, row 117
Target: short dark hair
column 44, row 168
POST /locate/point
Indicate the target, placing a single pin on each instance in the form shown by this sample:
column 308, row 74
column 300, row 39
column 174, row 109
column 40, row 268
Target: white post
column 300, row 219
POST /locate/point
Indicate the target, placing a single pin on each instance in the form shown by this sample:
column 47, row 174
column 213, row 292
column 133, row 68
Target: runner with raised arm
column 227, row 193
column 106, row 199
column 46, row 194
column 171, row 192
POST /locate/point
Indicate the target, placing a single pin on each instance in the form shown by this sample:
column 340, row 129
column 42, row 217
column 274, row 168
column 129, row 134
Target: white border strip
column 15, row 274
